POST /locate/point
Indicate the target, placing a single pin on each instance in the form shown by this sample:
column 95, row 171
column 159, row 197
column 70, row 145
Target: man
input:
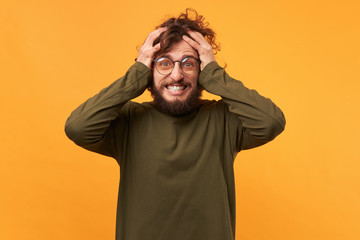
column 176, row 153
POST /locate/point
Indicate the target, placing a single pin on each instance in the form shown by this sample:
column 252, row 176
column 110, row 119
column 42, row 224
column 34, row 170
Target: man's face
column 177, row 93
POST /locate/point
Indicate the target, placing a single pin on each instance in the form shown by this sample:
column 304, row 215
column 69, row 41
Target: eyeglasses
column 165, row 65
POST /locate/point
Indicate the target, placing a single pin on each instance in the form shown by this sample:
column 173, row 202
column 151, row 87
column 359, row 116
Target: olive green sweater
column 176, row 173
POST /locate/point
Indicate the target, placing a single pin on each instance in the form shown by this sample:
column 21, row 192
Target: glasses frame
column 173, row 65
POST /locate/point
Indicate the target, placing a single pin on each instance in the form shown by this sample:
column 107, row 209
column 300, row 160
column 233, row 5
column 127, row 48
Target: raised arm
column 255, row 119
column 89, row 125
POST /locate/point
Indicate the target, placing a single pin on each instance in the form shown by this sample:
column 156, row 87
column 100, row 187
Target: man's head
column 175, row 90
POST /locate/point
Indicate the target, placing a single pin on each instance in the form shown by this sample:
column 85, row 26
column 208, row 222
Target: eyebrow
column 184, row 56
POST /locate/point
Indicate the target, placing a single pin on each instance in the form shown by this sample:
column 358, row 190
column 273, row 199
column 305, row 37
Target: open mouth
column 176, row 89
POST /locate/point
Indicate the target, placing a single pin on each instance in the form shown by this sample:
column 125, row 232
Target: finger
column 156, row 47
column 191, row 42
column 154, row 35
column 157, row 32
column 198, row 37
column 162, row 29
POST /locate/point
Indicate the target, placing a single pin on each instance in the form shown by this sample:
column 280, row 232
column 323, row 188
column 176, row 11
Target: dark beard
column 177, row 108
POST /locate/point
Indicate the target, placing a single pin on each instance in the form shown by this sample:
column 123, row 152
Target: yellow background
column 304, row 55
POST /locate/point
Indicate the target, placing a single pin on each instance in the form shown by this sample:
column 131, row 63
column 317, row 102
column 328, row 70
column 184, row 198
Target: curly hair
column 176, row 28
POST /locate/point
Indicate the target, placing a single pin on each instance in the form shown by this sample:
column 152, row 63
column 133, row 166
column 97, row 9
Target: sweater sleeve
column 89, row 124
column 253, row 119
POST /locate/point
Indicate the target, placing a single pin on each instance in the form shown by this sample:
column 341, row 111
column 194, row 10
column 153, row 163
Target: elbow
column 82, row 134
column 280, row 119
column 266, row 130
column 74, row 132
column 275, row 126
column 70, row 130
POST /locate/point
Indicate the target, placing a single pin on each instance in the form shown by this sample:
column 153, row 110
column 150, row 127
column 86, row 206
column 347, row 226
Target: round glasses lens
column 164, row 65
column 189, row 65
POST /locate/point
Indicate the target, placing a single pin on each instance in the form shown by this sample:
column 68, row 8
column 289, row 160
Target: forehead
column 180, row 50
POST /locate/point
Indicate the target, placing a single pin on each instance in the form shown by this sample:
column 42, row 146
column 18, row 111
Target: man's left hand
column 202, row 46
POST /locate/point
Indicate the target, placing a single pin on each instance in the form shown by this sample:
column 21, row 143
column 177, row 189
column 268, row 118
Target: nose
column 176, row 73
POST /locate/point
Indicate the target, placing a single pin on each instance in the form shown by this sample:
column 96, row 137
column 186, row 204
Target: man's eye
column 165, row 64
column 188, row 64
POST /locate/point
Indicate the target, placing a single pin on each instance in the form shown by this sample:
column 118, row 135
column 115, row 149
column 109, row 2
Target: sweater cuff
column 140, row 66
column 208, row 68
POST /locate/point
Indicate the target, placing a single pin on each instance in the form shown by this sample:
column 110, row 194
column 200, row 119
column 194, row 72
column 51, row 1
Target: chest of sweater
column 159, row 146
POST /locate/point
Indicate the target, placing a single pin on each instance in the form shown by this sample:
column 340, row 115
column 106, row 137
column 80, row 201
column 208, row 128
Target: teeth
column 176, row 88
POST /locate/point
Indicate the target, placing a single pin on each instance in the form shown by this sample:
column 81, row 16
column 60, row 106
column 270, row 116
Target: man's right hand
column 147, row 50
